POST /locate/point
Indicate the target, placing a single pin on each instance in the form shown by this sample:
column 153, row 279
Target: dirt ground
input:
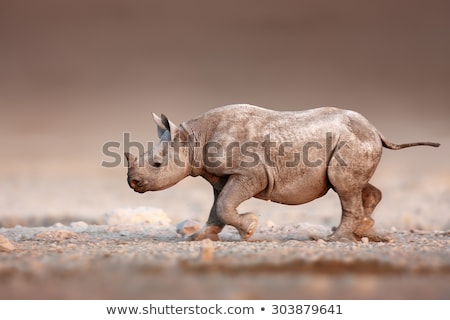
column 77, row 75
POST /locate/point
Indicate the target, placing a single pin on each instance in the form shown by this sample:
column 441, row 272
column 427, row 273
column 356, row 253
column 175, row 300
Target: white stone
column 79, row 226
column 137, row 215
column 270, row 224
column 188, row 227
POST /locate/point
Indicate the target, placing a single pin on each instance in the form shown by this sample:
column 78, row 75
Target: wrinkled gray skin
column 354, row 150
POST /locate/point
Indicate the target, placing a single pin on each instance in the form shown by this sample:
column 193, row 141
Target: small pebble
column 207, row 251
column 6, row 245
column 188, row 227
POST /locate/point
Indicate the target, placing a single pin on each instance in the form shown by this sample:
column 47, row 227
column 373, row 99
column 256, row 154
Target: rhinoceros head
column 163, row 166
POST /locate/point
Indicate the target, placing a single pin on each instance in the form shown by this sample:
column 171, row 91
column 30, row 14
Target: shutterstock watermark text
column 214, row 154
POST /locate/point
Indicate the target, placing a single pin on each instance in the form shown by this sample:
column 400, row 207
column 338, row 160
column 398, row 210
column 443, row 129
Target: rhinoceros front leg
column 213, row 226
column 238, row 189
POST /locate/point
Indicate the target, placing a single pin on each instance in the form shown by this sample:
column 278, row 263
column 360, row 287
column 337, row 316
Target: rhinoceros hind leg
column 352, row 215
column 356, row 222
column 371, row 196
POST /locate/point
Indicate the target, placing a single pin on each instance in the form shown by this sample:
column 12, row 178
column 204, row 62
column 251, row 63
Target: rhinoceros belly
column 295, row 185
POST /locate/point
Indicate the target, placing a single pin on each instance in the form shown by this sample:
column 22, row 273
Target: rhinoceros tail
column 394, row 146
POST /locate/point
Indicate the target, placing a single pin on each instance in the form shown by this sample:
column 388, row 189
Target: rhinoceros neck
column 202, row 128
column 195, row 145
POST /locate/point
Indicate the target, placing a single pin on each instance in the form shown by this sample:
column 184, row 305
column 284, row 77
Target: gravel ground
column 65, row 238
column 153, row 261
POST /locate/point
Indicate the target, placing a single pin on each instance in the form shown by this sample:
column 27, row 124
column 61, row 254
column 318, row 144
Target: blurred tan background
column 77, row 74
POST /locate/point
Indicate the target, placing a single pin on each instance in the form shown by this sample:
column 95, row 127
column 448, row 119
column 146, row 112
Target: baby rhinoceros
column 292, row 158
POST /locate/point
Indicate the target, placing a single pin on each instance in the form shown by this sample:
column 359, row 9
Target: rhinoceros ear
column 161, row 126
column 173, row 128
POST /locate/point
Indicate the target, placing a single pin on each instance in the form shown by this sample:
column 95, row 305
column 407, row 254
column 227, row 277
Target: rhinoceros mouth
column 139, row 187
column 136, row 182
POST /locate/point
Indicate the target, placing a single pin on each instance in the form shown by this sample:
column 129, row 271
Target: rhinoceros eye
column 156, row 164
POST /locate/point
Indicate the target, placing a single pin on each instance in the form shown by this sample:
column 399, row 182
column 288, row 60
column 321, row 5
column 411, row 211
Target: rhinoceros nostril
column 134, row 182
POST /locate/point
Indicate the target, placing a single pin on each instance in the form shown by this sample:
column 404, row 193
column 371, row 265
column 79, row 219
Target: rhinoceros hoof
column 247, row 225
column 208, row 232
column 202, row 236
column 341, row 237
column 374, row 237
column 364, row 227
column 370, row 236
